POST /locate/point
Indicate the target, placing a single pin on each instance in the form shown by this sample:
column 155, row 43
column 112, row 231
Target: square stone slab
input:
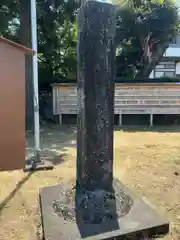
column 140, row 221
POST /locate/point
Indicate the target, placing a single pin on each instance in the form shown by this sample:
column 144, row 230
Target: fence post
column 151, row 120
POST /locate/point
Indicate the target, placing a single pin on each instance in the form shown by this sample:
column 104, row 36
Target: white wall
column 172, row 52
column 152, row 74
column 178, row 68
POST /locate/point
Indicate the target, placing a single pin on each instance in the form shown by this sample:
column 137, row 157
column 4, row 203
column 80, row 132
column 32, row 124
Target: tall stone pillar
column 96, row 68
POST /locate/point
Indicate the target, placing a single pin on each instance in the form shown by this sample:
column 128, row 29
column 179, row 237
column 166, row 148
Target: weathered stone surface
column 141, row 220
column 96, row 66
column 92, row 206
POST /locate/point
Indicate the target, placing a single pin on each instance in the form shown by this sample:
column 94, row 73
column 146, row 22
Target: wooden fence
column 129, row 99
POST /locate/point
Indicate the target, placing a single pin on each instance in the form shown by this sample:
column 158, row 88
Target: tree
column 8, row 15
column 144, row 31
column 24, row 35
column 57, row 35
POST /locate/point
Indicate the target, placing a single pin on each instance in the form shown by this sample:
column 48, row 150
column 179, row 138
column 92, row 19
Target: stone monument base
column 134, row 219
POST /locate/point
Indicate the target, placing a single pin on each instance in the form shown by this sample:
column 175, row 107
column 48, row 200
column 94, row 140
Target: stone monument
column 97, row 207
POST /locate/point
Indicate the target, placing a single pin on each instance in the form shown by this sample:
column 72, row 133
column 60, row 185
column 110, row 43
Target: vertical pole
column 35, row 81
column 120, row 119
column 151, row 120
column 60, row 118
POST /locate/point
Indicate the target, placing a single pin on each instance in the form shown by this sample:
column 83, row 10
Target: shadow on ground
column 15, row 190
column 55, row 140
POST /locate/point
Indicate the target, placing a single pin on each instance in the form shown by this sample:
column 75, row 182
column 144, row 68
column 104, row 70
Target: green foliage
column 8, row 15
column 57, row 34
column 170, row 79
column 144, row 31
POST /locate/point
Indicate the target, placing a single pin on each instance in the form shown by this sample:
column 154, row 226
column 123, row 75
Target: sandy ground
column 147, row 161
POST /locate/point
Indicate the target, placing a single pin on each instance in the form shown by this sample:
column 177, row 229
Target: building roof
column 16, row 45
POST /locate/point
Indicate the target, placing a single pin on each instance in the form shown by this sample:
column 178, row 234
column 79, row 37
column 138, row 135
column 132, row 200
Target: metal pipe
column 35, row 81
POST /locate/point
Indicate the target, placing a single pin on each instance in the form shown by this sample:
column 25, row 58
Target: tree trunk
column 147, row 67
column 25, row 39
